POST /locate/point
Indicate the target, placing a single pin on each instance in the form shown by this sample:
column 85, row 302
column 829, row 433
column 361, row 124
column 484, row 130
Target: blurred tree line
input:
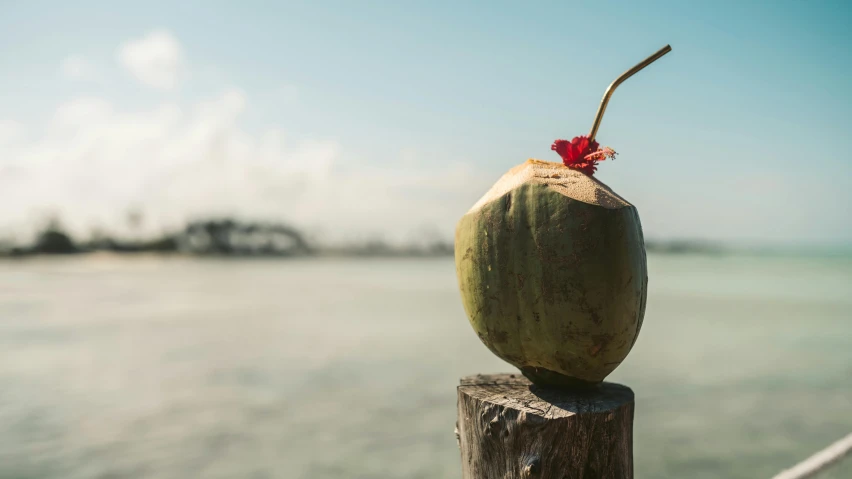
column 213, row 237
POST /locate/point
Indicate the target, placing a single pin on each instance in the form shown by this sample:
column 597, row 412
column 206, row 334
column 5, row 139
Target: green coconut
column 553, row 276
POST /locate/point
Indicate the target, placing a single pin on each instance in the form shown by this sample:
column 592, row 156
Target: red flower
column 581, row 154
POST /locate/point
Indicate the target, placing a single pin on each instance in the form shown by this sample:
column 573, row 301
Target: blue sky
column 363, row 119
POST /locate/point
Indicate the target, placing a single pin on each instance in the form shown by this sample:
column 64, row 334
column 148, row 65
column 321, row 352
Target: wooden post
column 509, row 428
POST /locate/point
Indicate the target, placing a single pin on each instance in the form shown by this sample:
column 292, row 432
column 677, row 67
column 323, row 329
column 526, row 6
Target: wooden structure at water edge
column 509, row 428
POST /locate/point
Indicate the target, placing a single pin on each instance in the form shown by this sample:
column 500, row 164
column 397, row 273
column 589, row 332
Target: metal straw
column 619, row 81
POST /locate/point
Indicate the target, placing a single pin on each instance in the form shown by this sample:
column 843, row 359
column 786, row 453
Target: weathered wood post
column 509, row 428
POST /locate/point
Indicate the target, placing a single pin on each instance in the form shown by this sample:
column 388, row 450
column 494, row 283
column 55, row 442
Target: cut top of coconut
column 558, row 177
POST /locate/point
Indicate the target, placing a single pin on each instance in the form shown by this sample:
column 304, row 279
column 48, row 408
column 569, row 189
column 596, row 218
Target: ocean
column 171, row 367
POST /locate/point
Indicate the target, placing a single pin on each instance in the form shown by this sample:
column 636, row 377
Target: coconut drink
column 551, row 265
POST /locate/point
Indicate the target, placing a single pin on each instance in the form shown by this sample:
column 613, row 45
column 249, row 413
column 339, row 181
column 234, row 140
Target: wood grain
column 509, row 428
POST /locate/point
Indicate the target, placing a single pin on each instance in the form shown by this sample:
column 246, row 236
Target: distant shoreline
column 234, row 238
column 217, row 238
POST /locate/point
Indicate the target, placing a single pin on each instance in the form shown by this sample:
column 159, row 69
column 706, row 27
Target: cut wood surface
column 510, row 428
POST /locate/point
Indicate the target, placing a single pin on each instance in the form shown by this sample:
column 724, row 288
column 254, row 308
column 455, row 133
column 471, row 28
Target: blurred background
column 226, row 228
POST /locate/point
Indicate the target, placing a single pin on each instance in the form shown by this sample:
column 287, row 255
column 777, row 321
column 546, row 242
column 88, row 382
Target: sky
column 366, row 120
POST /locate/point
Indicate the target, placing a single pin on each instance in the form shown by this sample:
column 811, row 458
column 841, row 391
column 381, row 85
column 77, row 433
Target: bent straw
column 619, row 81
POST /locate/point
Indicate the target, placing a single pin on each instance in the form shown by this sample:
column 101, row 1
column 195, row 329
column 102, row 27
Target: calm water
column 175, row 368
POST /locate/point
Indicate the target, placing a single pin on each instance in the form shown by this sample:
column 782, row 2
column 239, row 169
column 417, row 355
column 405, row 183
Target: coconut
column 552, row 271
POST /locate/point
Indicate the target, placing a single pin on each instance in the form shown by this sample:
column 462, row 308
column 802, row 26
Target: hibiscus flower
column 581, row 153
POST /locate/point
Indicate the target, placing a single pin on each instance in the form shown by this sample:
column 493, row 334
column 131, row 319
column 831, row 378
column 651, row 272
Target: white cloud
column 156, row 59
column 76, row 67
column 81, row 112
column 94, row 162
column 10, row 131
